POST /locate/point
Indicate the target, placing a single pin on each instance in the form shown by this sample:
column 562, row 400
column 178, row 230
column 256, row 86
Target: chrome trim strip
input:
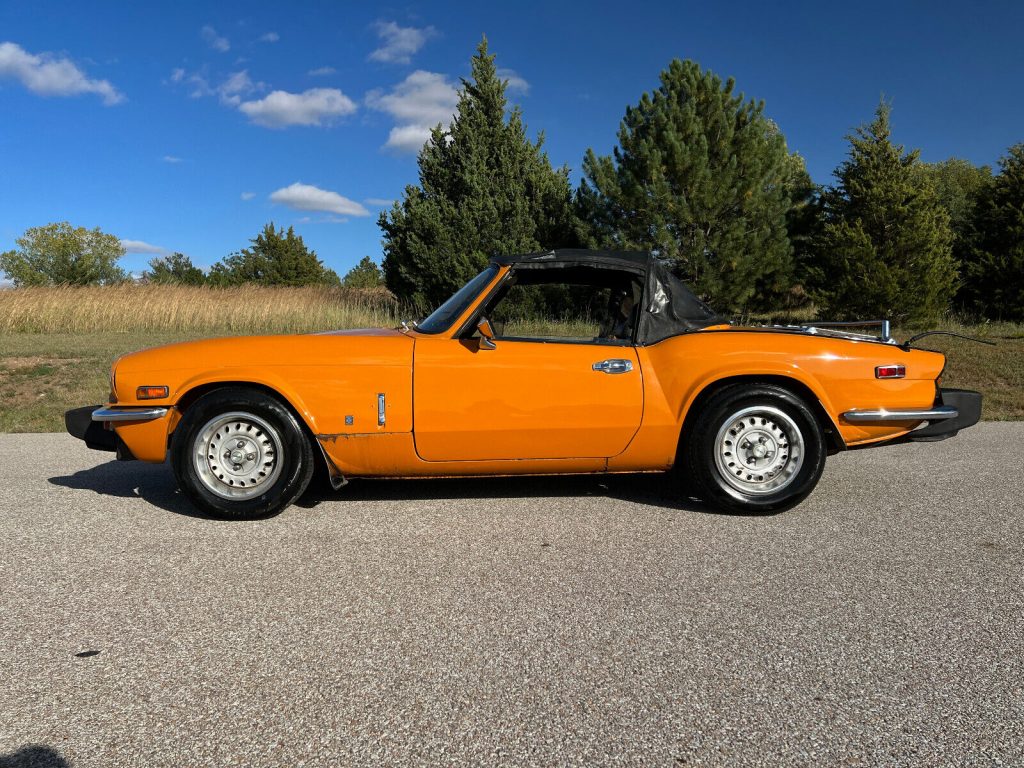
column 937, row 413
column 128, row 414
column 381, row 417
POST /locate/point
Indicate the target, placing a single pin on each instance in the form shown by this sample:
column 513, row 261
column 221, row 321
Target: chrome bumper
column 882, row 415
column 128, row 414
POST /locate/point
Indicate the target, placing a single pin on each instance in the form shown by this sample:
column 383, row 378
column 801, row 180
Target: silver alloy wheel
column 759, row 450
column 237, row 455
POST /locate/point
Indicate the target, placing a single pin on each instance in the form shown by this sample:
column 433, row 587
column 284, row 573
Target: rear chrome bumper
column 954, row 409
column 128, row 414
column 882, row 415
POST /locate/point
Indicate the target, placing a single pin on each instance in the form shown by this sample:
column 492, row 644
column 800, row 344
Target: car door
column 524, row 400
column 550, row 388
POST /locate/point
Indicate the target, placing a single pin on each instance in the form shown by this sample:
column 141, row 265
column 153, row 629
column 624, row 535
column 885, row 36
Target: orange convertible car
column 559, row 362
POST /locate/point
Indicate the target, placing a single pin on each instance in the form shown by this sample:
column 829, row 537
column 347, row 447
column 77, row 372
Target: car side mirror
column 486, row 334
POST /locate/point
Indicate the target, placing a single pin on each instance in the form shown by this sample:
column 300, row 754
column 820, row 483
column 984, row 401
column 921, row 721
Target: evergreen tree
column 176, row 269
column 703, row 179
column 994, row 275
column 959, row 185
column 886, row 247
column 276, row 257
column 484, row 189
column 60, row 254
column 803, row 226
column 365, row 274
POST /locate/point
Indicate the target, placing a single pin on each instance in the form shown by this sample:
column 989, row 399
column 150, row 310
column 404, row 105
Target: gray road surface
column 555, row 621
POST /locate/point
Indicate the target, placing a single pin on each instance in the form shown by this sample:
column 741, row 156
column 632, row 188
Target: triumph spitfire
column 545, row 363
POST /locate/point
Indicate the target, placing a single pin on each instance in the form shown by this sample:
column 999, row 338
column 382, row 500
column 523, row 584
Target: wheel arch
column 833, row 439
column 191, row 395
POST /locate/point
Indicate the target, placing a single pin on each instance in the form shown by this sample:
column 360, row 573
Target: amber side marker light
column 151, row 393
column 890, row 372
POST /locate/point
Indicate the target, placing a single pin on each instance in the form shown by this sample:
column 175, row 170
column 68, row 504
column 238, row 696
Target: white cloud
column 230, row 92
column 305, row 197
column 269, row 37
column 215, row 41
column 172, row 159
column 177, row 75
column 317, row 106
column 407, row 138
column 138, row 246
column 248, row 195
column 417, row 104
column 237, row 85
column 514, row 82
column 321, row 71
column 48, row 75
column 399, row 43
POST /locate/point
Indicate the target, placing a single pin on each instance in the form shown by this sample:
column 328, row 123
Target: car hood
column 362, row 346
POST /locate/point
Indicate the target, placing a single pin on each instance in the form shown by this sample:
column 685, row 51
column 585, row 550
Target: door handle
column 614, row 366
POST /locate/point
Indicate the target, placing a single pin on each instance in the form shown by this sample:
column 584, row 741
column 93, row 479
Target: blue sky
column 187, row 126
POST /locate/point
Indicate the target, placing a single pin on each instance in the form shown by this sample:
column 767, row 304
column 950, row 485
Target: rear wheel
column 241, row 454
column 754, row 448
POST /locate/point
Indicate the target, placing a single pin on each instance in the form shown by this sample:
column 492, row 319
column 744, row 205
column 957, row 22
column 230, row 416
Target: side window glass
column 572, row 305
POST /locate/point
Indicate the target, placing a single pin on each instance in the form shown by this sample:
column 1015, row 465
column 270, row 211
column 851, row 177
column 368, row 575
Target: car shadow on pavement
column 34, row 756
column 155, row 484
column 650, row 489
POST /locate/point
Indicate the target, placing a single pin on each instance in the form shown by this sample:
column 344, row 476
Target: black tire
column 276, row 456
column 763, row 418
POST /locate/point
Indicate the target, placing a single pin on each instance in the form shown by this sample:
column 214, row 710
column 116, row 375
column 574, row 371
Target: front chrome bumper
column 128, row 414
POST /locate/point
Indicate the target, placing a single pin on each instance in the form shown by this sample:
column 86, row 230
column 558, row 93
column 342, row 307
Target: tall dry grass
column 243, row 310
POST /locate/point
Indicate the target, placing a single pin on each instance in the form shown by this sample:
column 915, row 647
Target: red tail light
column 890, row 372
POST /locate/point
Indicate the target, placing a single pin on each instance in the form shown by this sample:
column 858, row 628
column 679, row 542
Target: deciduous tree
column 60, row 254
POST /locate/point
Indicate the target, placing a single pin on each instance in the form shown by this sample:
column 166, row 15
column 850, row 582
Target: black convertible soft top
column 669, row 307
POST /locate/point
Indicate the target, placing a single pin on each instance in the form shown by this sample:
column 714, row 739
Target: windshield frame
column 445, row 316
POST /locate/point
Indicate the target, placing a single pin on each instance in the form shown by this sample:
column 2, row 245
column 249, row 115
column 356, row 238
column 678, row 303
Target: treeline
column 698, row 174
column 60, row 254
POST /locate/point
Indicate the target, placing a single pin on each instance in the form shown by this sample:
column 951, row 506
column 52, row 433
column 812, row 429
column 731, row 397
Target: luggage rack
column 884, row 325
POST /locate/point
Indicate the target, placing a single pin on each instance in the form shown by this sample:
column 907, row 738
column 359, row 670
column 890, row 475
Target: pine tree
column 959, row 186
column 365, row 274
column 176, row 269
column 484, row 189
column 886, row 247
column 700, row 177
column 994, row 275
column 276, row 257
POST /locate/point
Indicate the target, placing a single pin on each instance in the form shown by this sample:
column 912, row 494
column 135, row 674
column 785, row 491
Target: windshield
column 442, row 317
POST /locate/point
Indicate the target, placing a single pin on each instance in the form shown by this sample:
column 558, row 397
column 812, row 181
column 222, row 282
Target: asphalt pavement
column 516, row 621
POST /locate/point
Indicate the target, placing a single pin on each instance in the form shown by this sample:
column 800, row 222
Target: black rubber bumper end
column 79, row 423
column 968, row 404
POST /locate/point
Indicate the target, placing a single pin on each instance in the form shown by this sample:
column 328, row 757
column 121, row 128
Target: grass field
column 56, row 344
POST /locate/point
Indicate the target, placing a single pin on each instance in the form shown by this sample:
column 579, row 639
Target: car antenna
column 906, row 344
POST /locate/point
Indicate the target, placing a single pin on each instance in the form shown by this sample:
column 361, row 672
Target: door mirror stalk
column 486, row 334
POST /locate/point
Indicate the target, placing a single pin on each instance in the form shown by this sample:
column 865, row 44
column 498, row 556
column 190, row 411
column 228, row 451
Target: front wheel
column 240, row 454
column 754, row 449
